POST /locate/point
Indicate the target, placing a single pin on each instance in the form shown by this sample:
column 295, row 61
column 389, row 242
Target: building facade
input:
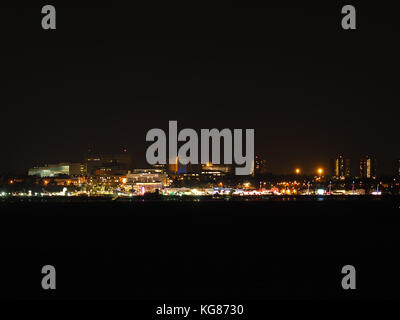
column 342, row 167
column 108, row 163
column 368, row 167
column 147, row 180
column 260, row 166
column 220, row 168
column 52, row 170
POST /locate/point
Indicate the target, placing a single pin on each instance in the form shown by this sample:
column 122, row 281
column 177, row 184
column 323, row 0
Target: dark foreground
column 166, row 251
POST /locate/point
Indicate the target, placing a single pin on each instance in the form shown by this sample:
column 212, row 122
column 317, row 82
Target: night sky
column 109, row 74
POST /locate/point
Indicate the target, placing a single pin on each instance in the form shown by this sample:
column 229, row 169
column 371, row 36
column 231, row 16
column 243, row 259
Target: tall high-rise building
column 342, row 167
column 260, row 166
column 368, row 167
column 173, row 165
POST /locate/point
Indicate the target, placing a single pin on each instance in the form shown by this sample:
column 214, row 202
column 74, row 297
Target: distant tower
column 368, row 167
column 173, row 165
column 342, row 167
column 260, row 166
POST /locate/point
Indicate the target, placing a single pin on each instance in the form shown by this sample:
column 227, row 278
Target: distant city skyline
column 392, row 166
column 341, row 166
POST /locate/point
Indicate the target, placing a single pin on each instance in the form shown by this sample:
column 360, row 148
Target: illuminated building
column 147, row 180
column 211, row 172
column 70, row 181
column 52, row 170
column 109, row 172
column 368, row 167
column 108, row 163
column 158, row 166
column 191, row 176
column 147, row 175
column 260, row 166
column 341, row 167
column 105, row 182
column 173, row 165
column 210, row 168
column 182, row 168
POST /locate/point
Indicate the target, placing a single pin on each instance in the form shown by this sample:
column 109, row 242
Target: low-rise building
column 52, row 170
column 147, row 180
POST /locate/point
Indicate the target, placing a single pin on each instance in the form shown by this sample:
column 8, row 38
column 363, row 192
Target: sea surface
column 178, row 250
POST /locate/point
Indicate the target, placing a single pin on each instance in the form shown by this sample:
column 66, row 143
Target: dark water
column 237, row 250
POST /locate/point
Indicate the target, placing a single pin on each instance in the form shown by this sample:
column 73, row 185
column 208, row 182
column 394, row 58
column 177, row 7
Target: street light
column 298, row 171
column 320, row 171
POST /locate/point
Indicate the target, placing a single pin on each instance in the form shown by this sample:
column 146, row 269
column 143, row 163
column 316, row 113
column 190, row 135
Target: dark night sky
column 109, row 74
